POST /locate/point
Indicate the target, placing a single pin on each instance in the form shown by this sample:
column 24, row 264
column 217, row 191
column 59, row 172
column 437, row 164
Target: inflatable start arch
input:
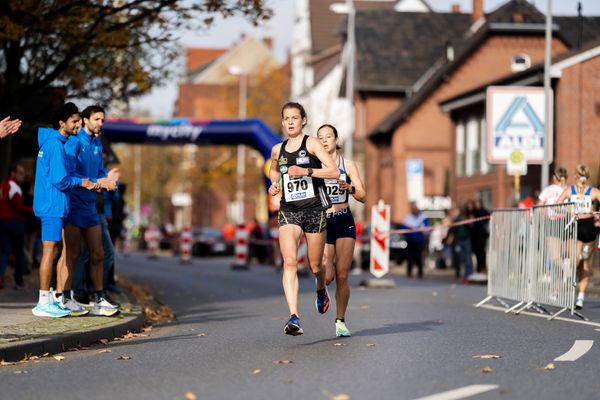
column 251, row 132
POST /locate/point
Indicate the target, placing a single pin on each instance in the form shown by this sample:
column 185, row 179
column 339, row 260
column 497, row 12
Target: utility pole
column 350, row 61
column 547, row 93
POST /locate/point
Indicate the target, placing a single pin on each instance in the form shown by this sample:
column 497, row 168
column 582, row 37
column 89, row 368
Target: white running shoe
column 104, row 308
column 75, row 308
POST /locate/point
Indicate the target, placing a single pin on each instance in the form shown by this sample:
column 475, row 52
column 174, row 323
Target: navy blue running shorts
column 340, row 224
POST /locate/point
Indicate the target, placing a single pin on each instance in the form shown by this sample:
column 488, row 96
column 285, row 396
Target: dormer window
column 520, row 62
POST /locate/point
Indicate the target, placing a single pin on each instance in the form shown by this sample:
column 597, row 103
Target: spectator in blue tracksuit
column 51, row 201
column 415, row 240
column 85, row 158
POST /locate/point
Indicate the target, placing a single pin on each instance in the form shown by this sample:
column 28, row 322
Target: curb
column 12, row 352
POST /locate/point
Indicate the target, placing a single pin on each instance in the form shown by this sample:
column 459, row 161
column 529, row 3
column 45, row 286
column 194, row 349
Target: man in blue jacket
column 84, row 152
column 51, row 198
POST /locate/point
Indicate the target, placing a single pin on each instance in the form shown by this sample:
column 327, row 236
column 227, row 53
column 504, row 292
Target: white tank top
column 335, row 193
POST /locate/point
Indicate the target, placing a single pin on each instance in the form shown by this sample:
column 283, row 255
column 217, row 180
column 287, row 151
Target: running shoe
column 293, row 326
column 322, row 301
column 579, row 303
column 341, row 330
column 75, row 308
column 104, row 308
column 112, row 301
column 52, row 310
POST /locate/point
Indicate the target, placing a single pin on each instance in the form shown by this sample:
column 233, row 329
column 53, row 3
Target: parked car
column 210, row 242
column 398, row 247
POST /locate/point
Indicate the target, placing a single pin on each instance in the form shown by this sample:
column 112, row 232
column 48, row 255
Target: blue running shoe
column 52, row 310
column 322, row 301
column 293, row 326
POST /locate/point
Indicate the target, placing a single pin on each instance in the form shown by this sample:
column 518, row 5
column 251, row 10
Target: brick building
column 443, row 56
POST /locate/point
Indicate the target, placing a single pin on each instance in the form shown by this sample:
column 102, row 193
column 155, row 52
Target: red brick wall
column 429, row 133
column 577, row 117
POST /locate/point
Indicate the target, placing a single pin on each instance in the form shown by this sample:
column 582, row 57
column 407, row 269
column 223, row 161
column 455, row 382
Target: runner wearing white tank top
column 341, row 228
column 582, row 195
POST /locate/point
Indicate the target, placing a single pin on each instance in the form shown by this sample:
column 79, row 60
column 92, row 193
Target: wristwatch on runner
column 309, row 171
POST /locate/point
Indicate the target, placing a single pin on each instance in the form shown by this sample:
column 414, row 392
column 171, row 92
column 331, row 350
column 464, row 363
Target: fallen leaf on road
column 105, row 351
column 102, row 341
column 370, row 344
column 487, row 356
column 331, row 396
column 201, row 334
column 256, row 371
column 190, row 396
column 45, row 354
column 486, row 370
column 339, row 344
column 147, row 329
column 365, row 307
column 283, row 362
column 123, row 358
column 7, row 363
column 59, row 358
column 550, row 366
column 434, row 294
column 341, row 396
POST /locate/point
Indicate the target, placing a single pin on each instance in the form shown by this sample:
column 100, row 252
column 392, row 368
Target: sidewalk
column 22, row 334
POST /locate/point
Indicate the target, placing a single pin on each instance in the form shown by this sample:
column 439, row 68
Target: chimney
column 268, row 41
column 456, row 8
column 477, row 10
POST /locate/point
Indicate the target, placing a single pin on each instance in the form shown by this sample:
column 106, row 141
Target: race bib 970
column 298, row 188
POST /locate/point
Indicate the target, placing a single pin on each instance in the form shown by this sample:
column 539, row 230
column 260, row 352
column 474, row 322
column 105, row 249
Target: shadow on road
column 388, row 329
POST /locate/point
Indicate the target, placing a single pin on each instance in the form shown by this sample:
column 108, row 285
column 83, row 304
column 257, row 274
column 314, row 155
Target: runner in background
column 298, row 167
column 582, row 194
column 341, row 228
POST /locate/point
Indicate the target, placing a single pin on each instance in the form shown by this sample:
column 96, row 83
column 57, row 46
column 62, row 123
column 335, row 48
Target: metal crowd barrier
column 532, row 257
column 553, row 257
column 508, row 252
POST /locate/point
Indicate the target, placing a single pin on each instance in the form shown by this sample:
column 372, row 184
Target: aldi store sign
column 517, row 121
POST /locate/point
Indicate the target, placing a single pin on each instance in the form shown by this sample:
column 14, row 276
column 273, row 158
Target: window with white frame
column 471, row 152
column 460, row 149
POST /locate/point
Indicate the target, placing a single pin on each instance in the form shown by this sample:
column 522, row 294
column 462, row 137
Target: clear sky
column 225, row 32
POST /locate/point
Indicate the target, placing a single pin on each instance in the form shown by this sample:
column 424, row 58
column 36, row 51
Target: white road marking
column 460, row 393
column 580, row 347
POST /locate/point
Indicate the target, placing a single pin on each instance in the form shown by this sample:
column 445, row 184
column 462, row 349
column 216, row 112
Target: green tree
column 88, row 46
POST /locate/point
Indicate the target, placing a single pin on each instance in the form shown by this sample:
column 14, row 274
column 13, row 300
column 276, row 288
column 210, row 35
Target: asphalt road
column 416, row 340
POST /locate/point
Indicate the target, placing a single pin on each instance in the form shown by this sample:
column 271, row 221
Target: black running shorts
column 586, row 231
column 310, row 221
column 340, row 224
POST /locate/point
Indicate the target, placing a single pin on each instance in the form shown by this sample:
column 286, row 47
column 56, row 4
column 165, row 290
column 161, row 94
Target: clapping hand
column 107, row 183
column 8, row 126
column 114, row 174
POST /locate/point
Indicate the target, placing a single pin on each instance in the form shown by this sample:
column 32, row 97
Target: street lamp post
column 241, row 155
column 547, row 59
column 348, row 146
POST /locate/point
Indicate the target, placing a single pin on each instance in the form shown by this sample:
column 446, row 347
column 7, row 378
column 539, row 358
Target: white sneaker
column 104, row 308
column 75, row 308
